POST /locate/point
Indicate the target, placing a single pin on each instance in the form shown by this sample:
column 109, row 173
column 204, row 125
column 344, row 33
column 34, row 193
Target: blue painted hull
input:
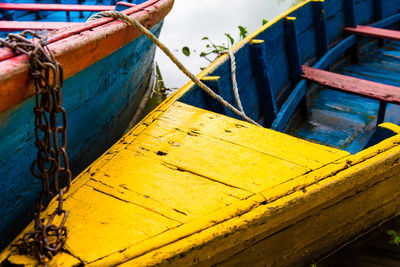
column 100, row 102
column 273, row 92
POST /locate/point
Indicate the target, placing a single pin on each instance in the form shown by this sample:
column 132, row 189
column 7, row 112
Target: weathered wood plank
column 353, row 85
column 229, row 163
column 215, row 84
column 151, row 183
column 55, row 7
column 387, row 22
column 378, row 9
column 327, row 201
column 350, row 12
column 116, row 222
column 10, row 26
column 334, row 53
column 320, row 26
column 290, row 106
column 375, row 32
column 260, row 69
column 293, row 49
column 249, row 136
column 305, row 236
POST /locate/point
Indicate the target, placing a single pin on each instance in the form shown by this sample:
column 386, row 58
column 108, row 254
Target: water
column 191, row 20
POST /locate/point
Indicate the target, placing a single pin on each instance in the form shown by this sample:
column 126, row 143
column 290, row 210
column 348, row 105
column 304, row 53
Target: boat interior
column 275, row 91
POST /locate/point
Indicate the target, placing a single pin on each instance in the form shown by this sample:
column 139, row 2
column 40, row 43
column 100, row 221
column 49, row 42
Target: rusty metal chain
column 51, row 165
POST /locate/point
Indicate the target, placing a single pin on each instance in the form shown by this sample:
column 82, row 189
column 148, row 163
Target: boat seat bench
column 375, row 32
column 378, row 91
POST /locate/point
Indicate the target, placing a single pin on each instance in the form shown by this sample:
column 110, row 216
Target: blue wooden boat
column 193, row 184
column 107, row 71
column 275, row 88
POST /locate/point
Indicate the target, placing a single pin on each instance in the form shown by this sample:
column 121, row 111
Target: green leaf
column 186, row 51
column 264, row 21
column 395, row 237
column 230, row 38
column 243, row 32
column 391, row 232
column 204, row 38
column 203, row 54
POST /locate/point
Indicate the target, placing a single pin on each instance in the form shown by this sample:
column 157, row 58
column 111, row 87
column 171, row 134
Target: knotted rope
column 205, row 88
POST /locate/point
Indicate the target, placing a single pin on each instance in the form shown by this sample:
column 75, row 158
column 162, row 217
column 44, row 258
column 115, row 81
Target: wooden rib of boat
column 107, row 70
column 193, row 185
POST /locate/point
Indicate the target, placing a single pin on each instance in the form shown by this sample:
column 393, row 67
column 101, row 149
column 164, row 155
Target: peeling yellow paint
column 391, row 126
column 187, row 186
column 147, row 202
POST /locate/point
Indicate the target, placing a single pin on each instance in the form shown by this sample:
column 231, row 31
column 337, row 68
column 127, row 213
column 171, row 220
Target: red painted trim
column 76, row 48
column 6, row 53
column 54, row 7
column 9, row 26
column 375, row 32
column 353, row 85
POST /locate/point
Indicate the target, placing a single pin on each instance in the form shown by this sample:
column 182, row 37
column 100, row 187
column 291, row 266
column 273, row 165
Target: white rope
column 205, row 88
column 234, row 83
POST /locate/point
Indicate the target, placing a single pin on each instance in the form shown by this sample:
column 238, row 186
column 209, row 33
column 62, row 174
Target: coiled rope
column 205, row 88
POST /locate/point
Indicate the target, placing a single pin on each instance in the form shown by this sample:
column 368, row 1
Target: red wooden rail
column 375, row 32
column 378, row 91
column 54, row 7
column 10, row 26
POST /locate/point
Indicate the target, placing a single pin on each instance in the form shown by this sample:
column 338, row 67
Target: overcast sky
column 190, row 20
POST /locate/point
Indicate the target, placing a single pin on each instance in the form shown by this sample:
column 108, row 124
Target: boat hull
column 193, row 185
column 100, row 101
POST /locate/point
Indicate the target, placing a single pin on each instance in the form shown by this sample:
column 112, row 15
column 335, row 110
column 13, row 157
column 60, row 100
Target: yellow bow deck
column 243, row 192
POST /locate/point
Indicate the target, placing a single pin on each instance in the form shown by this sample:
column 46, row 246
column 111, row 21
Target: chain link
column 51, row 165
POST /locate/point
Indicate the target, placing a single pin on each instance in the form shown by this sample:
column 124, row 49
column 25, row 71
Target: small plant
column 243, row 32
column 218, row 49
column 395, row 237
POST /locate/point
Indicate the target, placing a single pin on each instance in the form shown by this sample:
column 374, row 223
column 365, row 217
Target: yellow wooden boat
column 188, row 186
